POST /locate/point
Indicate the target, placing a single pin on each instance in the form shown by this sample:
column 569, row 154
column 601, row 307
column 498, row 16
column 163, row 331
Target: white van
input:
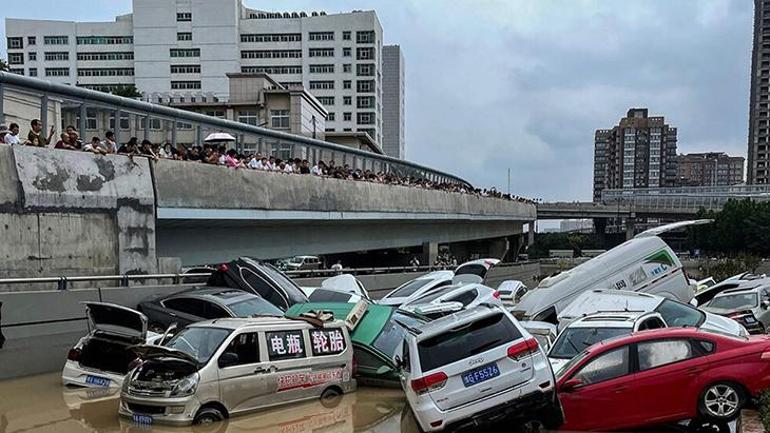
column 643, row 264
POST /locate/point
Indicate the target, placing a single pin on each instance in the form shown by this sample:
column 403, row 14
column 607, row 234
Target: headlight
column 186, row 386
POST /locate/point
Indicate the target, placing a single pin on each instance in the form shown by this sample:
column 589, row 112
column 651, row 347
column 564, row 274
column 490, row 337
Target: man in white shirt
column 12, row 137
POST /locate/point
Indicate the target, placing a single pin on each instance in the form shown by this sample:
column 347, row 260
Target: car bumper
column 178, row 411
column 542, row 406
column 74, row 375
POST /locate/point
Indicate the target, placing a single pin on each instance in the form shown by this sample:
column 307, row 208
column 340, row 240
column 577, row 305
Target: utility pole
column 509, row 180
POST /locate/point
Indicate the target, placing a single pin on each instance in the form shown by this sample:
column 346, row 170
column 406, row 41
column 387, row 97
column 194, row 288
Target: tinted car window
column 246, row 346
column 473, row 269
column 393, row 334
column 651, row 323
column 195, row 307
column 285, row 345
column 409, row 288
column 654, row 354
column 606, row 366
column 738, row 301
column 466, row 341
column 263, row 288
column 676, row 314
column 321, row 295
column 433, row 295
column 254, row 307
column 574, row 340
column 464, row 298
column 214, row 311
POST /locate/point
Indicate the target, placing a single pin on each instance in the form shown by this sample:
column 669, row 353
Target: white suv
column 477, row 367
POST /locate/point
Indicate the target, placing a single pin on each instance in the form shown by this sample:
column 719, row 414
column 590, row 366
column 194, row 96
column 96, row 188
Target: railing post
column 198, row 138
column 173, row 134
column 2, row 98
column 62, row 284
column 147, row 127
column 116, row 130
column 82, row 122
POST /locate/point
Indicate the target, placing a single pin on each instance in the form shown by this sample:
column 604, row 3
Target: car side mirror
column 227, row 359
column 384, row 370
column 571, row 385
column 399, row 363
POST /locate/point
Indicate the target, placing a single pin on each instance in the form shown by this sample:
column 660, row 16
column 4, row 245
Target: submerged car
column 261, row 278
column 376, row 336
column 101, row 359
column 741, row 281
column 340, row 288
column 748, row 306
column 451, row 299
column 212, row 370
column 417, row 287
column 665, row 375
column 199, row 304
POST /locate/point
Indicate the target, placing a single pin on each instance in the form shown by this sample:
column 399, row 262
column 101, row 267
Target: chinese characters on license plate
column 480, row 374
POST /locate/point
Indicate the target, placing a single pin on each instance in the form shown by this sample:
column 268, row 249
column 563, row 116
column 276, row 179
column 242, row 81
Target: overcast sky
column 498, row 84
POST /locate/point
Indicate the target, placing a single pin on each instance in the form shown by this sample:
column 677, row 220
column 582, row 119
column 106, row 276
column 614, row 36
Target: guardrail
column 690, row 198
column 85, row 104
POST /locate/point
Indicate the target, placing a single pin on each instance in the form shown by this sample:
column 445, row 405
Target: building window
column 184, row 16
column 248, row 117
column 185, row 85
column 347, row 117
column 271, row 54
column 346, row 52
column 105, row 72
column 155, row 123
column 185, row 69
column 279, row 119
column 17, row 71
column 321, row 36
column 127, row 55
column 348, row 129
column 365, row 86
column 321, row 69
column 366, row 37
column 32, row 56
column 57, row 72
column 365, row 118
column 365, row 101
column 15, row 43
column 91, row 120
column 329, row 130
column 275, row 70
column 33, row 72
column 347, row 67
column 56, row 40
column 321, row 52
column 57, row 56
column 215, row 113
column 15, row 58
column 347, row 100
column 365, row 69
column 124, row 122
column 369, row 131
column 346, row 36
column 321, row 85
column 184, row 36
column 365, row 53
column 326, row 100
column 347, row 84
column 104, row 40
column 185, row 52
column 31, row 40
column 271, row 37
column 330, row 117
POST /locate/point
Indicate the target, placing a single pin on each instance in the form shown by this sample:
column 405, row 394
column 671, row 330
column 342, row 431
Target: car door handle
column 263, row 370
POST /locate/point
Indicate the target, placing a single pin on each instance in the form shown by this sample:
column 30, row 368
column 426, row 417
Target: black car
column 205, row 303
column 260, row 278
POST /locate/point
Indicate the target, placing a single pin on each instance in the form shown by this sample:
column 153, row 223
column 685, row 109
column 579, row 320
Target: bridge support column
column 531, row 234
column 429, row 253
column 498, row 248
column 630, row 224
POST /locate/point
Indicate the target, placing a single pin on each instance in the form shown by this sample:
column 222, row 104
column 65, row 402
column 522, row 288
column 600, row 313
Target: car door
column 602, row 400
column 667, row 383
column 287, row 369
column 184, row 311
column 242, row 385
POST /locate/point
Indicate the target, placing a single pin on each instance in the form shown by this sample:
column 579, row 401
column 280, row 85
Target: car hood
column 720, row 323
column 116, row 319
column 151, row 351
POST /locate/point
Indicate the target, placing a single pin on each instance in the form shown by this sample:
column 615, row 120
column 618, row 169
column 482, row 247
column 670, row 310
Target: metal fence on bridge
column 95, row 112
column 683, row 198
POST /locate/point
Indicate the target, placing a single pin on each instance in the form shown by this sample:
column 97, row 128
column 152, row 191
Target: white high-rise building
column 186, row 48
column 393, row 142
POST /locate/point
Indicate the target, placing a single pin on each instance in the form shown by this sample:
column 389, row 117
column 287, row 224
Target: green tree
column 127, row 91
column 741, row 227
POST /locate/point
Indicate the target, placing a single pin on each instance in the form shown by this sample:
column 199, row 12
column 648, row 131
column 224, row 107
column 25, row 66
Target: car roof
column 653, row 334
column 260, row 323
column 451, row 321
column 223, row 295
column 610, row 300
column 620, row 319
column 368, row 328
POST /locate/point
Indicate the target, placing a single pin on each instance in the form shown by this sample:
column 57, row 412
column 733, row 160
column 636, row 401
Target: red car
column 663, row 375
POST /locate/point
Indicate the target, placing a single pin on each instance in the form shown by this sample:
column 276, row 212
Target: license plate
column 749, row 319
column 480, row 374
column 98, row 381
column 142, row 419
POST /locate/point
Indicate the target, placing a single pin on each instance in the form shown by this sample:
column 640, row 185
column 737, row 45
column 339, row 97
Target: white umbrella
column 219, row 136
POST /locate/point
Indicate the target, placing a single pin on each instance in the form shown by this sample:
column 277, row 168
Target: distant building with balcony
column 709, row 169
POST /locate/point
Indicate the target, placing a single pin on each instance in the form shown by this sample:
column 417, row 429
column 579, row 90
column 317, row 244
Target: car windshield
column 738, row 301
column 409, row 288
column 575, row 340
column 676, row 314
column 254, row 307
column 198, row 342
column 392, row 334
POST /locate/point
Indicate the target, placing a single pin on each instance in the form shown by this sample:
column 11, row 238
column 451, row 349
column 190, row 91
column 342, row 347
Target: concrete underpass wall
column 73, row 213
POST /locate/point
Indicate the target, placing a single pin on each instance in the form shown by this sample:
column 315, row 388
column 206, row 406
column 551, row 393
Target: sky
column 493, row 85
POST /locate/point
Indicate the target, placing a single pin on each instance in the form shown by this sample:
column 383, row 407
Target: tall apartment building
column 709, row 169
column 394, row 143
column 639, row 152
column 758, row 170
column 186, row 48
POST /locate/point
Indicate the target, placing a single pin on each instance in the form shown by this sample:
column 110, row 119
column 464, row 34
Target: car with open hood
column 261, row 278
column 453, row 298
column 377, row 335
column 102, row 358
column 213, row 370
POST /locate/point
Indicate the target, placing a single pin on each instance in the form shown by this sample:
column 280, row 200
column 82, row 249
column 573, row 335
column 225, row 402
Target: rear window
column 466, row 341
column 432, row 296
column 479, row 270
column 254, row 307
column 409, row 288
column 321, row 295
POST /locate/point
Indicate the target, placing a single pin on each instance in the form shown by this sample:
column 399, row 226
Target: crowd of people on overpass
column 220, row 155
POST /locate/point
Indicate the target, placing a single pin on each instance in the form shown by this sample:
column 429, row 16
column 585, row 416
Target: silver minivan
column 215, row 369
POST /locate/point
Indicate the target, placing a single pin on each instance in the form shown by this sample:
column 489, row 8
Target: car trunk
column 107, row 352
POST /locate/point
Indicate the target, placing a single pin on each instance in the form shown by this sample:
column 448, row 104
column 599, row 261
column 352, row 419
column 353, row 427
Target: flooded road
column 42, row 404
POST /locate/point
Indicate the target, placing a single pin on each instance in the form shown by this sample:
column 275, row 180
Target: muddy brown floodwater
column 41, row 404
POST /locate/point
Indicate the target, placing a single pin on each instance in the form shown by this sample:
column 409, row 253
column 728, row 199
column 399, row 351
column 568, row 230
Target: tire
column 208, row 416
column 331, row 397
column 721, row 402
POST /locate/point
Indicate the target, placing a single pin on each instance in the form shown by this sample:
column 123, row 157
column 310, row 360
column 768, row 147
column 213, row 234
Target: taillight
column 74, row 354
column 429, row 383
column 496, row 295
column 223, row 267
column 523, row 348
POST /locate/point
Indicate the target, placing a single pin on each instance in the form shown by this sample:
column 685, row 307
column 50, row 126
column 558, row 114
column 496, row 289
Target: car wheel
column 721, row 401
column 331, row 397
column 208, row 416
